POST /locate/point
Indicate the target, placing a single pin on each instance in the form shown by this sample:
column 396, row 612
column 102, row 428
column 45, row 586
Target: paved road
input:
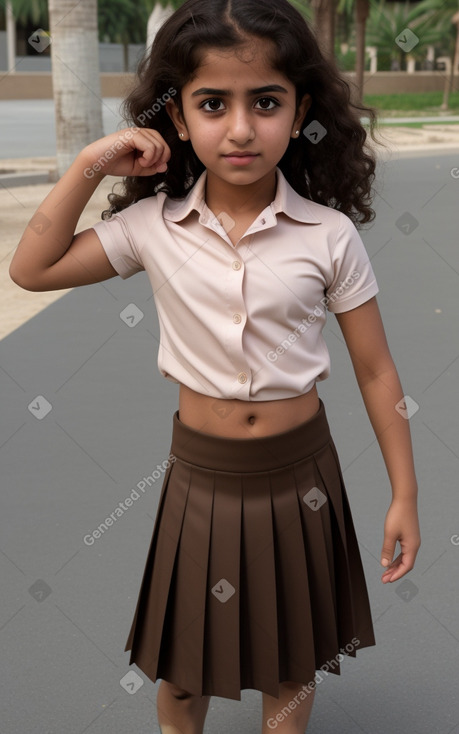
column 27, row 127
column 86, row 416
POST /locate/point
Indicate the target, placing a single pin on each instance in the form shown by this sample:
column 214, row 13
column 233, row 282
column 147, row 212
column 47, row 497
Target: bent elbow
column 23, row 281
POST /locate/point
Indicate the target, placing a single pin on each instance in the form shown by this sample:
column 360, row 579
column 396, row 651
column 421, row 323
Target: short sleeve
column 353, row 280
column 120, row 246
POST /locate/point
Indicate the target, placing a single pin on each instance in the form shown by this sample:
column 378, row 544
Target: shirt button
column 242, row 377
column 263, row 221
column 237, row 318
column 236, row 265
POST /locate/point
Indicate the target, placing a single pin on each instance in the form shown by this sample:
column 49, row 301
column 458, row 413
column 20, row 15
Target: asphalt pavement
column 86, row 417
column 27, row 126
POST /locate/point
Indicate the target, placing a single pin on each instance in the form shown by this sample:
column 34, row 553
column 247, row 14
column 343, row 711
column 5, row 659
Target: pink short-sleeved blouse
column 242, row 321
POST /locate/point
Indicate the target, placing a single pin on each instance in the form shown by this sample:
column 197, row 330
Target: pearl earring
column 181, row 135
column 297, row 132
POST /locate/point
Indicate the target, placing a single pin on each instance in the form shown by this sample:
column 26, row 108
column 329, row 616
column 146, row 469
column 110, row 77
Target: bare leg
column 179, row 712
column 288, row 714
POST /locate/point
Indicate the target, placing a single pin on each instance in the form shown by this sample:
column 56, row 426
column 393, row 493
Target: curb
column 10, row 180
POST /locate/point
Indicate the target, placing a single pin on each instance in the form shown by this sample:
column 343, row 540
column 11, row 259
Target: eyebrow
column 228, row 93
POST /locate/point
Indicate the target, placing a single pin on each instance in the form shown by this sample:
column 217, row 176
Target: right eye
column 213, row 103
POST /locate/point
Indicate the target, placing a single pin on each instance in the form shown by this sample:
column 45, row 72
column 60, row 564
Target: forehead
column 246, row 66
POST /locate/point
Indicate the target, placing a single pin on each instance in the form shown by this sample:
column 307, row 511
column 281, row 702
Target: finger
column 149, row 155
column 388, row 550
column 162, row 150
column 152, row 169
column 150, row 159
column 149, row 150
column 394, row 574
column 392, row 569
column 401, row 566
column 154, row 135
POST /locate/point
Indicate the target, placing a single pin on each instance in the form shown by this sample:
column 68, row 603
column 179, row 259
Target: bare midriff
column 244, row 419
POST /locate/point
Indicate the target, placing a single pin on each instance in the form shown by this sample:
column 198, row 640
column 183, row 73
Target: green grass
column 419, row 125
column 412, row 105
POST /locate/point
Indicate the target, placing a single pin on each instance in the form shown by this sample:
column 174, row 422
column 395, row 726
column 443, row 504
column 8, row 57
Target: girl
column 245, row 175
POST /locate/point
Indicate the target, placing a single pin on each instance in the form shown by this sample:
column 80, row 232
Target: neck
column 240, row 199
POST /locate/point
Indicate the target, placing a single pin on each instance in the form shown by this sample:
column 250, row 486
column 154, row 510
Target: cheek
column 204, row 134
column 276, row 137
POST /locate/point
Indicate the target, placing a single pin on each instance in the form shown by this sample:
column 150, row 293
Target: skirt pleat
column 253, row 576
column 183, row 642
column 221, row 646
column 296, row 634
column 151, row 605
column 259, row 644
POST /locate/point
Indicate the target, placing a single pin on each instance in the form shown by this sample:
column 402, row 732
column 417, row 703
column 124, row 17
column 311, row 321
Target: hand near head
column 130, row 152
column 401, row 525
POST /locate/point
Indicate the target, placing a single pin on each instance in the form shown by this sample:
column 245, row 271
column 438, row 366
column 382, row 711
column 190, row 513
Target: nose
column 240, row 129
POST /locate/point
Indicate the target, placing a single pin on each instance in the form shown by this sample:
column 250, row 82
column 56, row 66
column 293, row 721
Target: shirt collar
column 286, row 201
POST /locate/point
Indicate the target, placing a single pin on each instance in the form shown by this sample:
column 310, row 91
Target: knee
column 289, row 685
column 178, row 693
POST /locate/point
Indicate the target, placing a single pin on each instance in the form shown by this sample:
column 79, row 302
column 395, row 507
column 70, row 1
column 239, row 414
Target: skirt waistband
column 262, row 453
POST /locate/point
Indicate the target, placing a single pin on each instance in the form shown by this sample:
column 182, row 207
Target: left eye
column 264, row 102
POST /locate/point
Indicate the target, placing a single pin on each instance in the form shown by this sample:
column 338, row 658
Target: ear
column 178, row 119
column 303, row 108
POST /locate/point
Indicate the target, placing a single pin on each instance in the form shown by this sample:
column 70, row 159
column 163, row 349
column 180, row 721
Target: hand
column 130, row 152
column 401, row 524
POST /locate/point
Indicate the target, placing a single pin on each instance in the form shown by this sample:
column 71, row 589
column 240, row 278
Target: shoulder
column 150, row 206
column 336, row 225
column 336, row 235
column 133, row 224
column 331, row 218
column 302, row 210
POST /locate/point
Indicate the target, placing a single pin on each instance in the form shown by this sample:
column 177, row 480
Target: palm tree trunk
column 449, row 81
column 456, row 50
column 158, row 16
column 10, row 37
column 324, row 24
column 76, row 78
column 362, row 10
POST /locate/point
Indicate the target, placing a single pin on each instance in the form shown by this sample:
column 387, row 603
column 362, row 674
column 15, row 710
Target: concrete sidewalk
column 86, row 416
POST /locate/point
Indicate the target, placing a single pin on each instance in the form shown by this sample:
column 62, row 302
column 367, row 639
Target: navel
column 251, row 419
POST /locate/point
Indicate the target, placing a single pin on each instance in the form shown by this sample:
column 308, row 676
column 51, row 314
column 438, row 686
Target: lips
column 238, row 158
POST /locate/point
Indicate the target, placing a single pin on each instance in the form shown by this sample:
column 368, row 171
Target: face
column 239, row 114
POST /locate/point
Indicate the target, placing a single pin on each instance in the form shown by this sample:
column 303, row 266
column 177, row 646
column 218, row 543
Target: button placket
column 238, row 313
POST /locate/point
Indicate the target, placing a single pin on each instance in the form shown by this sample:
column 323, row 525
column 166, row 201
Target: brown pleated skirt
column 254, row 575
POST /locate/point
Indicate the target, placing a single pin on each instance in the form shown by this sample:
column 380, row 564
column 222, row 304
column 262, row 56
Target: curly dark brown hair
column 338, row 171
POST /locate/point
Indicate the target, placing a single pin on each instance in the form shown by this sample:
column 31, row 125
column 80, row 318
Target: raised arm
column 381, row 390
column 50, row 256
